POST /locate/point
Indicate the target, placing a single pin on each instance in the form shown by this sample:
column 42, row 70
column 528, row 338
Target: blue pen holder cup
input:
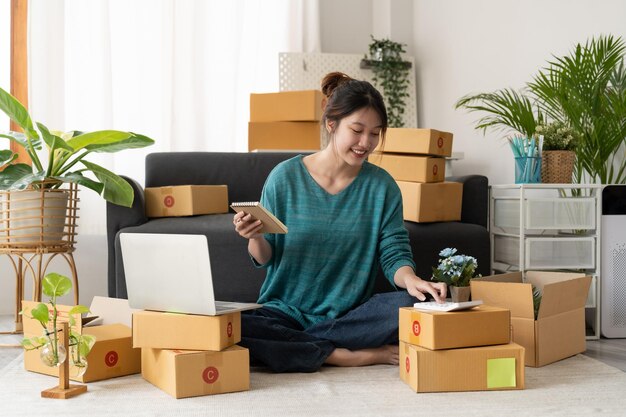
column 527, row 169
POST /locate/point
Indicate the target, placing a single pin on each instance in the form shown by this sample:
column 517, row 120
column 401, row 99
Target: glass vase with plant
column 53, row 353
column 456, row 271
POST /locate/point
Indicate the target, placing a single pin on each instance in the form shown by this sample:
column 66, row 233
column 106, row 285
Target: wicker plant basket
column 557, row 167
column 39, row 219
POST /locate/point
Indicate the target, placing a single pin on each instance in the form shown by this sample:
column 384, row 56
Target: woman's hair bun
column 333, row 80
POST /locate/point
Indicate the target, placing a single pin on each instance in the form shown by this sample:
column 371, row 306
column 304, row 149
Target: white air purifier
column 613, row 280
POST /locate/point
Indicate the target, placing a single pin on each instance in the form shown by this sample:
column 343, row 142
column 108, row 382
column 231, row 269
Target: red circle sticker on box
column 407, row 364
column 417, row 328
column 435, row 169
column 111, row 358
column 440, row 142
column 210, row 374
column 168, row 201
column 229, row 329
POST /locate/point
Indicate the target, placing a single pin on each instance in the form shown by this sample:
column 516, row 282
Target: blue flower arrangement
column 455, row 270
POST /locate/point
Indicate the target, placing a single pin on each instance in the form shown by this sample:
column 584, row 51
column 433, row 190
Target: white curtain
column 178, row 71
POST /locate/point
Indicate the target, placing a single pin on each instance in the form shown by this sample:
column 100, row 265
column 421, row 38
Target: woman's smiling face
column 356, row 135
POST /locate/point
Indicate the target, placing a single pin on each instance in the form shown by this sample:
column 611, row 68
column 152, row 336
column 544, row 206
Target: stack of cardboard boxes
column 288, row 120
column 190, row 355
column 415, row 158
column 459, row 351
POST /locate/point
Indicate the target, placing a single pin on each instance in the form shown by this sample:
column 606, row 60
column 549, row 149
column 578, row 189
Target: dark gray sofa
column 235, row 278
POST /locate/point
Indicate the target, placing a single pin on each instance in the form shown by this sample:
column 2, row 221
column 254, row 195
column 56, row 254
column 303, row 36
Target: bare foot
column 387, row 354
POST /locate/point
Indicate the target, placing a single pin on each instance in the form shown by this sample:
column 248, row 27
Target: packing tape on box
column 213, row 365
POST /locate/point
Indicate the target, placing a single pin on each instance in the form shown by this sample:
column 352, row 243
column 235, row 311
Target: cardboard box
column 153, row 329
column 486, row 368
column 559, row 331
column 410, row 167
column 193, row 373
column 431, row 202
column 284, row 136
column 286, row 106
column 186, row 200
column 480, row 326
column 111, row 356
column 416, row 141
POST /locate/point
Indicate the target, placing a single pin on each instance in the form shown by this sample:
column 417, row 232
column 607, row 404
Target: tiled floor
column 609, row 351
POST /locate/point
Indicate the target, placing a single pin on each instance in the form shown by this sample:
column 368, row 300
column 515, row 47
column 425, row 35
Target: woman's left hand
column 417, row 287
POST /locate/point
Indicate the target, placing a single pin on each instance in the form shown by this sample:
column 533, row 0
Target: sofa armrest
column 119, row 217
column 475, row 208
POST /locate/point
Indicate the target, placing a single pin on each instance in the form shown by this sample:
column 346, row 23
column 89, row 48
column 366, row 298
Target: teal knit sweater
column 327, row 264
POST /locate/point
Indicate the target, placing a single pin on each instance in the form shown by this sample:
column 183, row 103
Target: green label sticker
column 501, row 373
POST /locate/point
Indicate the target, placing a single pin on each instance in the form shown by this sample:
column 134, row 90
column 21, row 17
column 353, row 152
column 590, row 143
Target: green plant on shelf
column 391, row 74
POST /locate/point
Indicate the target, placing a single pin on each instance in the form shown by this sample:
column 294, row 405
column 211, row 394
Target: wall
column 484, row 45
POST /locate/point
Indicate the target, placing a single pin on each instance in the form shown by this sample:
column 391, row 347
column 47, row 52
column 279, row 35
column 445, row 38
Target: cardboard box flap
column 515, row 296
column 510, row 277
column 112, row 310
column 560, row 297
column 109, row 332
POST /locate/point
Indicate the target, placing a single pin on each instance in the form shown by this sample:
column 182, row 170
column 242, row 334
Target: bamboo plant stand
column 37, row 225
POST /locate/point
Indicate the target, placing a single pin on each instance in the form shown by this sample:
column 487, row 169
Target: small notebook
column 270, row 223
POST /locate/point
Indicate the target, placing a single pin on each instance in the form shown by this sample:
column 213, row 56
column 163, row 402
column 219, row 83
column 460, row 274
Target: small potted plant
column 558, row 152
column 456, row 271
column 52, row 353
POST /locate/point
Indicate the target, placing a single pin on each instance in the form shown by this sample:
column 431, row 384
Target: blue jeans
column 283, row 345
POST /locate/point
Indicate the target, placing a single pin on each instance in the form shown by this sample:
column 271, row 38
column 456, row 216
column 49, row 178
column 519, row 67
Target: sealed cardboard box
column 284, row 136
column 485, row 368
column 559, row 330
column 111, row 356
column 480, row 326
column 286, row 106
column 186, row 200
column 153, row 329
column 188, row 373
column 411, row 167
column 431, row 202
column 417, row 141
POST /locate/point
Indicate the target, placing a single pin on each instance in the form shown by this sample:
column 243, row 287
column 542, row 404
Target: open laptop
column 168, row 272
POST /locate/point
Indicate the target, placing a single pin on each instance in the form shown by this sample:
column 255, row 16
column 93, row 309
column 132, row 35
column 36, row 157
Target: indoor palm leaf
column 505, row 109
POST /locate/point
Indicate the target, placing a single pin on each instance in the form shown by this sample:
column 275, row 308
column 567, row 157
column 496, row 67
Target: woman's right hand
column 247, row 226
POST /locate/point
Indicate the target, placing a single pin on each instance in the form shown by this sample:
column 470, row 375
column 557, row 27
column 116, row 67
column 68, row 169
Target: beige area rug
column 578, row 386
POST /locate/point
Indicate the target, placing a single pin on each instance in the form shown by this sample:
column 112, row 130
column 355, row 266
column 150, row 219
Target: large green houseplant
column 67, row 156
column 585, row 90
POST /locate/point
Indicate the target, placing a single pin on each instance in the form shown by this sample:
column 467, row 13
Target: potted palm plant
column 38, row 196
column 585, row 90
